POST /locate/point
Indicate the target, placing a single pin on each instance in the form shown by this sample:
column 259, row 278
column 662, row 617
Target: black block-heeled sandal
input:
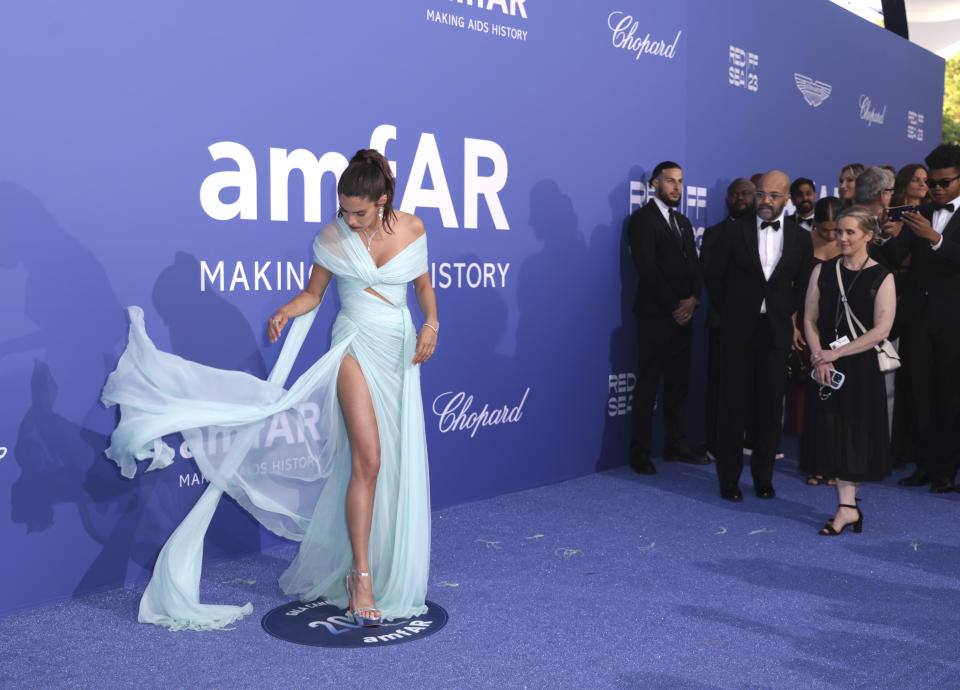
column 829, row 531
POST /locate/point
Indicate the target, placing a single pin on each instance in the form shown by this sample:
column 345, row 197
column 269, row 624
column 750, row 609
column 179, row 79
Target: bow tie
column 807, row 221
column 775, row 224
column 943, row 207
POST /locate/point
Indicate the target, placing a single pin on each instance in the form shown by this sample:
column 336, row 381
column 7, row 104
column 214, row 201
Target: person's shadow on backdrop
column 80, row 331
column 211, row 331
column 554, row 347
column 467, row 363
column 608, row 238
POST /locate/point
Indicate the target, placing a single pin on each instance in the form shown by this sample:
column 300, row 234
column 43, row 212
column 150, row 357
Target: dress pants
column 753, row 382
column 664, row 349
column 714, row 367
column 933, row 359
column 714, row 374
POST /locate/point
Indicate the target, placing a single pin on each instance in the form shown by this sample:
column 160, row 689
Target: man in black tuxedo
column 663, row 250
column 757, row 273
column 739, row 203
column 931, row 333
column 803, row 195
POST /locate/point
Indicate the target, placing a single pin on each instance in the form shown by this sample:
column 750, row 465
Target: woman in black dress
column 850, row 432
column 819, row 468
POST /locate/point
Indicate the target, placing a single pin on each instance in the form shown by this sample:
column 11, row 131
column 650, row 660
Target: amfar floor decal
column 320, row 624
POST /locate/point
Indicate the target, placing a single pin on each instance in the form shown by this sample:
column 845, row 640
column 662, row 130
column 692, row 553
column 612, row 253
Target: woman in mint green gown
column 338, row 460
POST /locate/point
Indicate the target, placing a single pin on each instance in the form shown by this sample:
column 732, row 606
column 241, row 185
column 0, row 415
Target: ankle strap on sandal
column 357, row 572
column 841, row 505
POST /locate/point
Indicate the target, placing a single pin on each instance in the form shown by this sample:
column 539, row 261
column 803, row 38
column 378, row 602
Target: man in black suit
column 757, row 274
column 663, row 250
column 803, row 195
column 931, row 334
column 739, row 203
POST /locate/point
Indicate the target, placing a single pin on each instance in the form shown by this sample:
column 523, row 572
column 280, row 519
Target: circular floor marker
column 321, row 624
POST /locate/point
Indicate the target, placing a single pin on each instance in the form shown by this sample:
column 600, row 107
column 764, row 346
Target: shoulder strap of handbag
column 851, row 317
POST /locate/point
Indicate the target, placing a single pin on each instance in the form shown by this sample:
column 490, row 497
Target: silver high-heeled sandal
column 365, row 621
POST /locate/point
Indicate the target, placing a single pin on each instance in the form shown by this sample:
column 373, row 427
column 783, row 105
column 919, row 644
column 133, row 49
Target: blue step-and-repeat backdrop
column 180, row 156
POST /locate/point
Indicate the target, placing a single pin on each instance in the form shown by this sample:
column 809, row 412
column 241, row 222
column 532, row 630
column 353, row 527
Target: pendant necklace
column 368, row 239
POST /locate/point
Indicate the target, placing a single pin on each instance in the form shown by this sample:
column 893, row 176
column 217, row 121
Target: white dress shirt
column 665, row 210
column 940, row 220
column 770, row 244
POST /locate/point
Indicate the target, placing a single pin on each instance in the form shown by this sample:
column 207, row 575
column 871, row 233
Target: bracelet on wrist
column 435, row 329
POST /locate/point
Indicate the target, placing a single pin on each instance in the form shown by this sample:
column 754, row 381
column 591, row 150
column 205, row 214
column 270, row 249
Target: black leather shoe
column 941, row 486
column 765, row 492
column 685, row 454
column 643, row 466
column 918, row 478
column 731, row 493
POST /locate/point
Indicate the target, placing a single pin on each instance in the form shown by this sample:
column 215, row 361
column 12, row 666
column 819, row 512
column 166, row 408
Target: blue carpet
column 611, row 580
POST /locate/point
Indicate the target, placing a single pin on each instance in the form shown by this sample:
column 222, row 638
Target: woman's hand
column 426, row 344
column 822, row 374
column 823, row 357
column 275, row 325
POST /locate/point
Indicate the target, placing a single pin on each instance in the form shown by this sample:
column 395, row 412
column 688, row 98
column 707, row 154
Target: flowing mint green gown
column 283, row 453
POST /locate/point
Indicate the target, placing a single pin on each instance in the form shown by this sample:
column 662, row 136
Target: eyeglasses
column 776, row 196
column 943, row 184
column 890, row 190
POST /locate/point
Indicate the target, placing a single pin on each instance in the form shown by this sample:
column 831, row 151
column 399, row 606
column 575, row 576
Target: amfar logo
column 814, row 92
column 624, row 28
column 510, row 7
column 453, row 409
column 869, row 114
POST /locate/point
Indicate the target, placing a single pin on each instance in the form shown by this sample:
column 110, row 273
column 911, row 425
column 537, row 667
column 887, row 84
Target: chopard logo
column 624, row 28
column 814, row 92
column 3, row 452
column 869, row 114
column 453, row 409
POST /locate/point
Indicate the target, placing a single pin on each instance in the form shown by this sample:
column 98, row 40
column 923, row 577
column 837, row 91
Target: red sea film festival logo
column 744, row 69
column 915, row 125
column 621, row 388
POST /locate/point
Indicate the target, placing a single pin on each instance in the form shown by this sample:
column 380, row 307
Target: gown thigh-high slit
column 283, row 453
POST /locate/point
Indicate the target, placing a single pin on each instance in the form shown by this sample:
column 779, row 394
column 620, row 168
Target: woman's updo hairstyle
column 866, row 221
column 827, row 208
column 369, row 177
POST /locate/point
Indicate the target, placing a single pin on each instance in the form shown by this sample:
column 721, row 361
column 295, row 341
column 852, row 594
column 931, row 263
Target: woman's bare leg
column 847, row 493
column 361, row 422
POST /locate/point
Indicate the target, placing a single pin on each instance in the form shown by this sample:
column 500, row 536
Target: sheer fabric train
column 283, row 453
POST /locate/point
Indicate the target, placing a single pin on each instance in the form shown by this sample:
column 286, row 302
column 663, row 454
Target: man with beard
column 756, row 273
column 739, row 203
column 663, row 250
column 803, row 195
column 931, row 333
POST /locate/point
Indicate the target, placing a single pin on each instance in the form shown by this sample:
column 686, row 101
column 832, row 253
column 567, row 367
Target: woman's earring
column 380, row 212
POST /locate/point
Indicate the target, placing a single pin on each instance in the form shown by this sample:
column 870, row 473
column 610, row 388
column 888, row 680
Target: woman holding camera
column 849, row 429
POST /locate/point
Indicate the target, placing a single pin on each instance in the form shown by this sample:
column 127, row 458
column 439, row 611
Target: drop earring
column 380, row 212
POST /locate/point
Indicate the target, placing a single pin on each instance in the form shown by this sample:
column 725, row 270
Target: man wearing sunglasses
column 931, row 333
